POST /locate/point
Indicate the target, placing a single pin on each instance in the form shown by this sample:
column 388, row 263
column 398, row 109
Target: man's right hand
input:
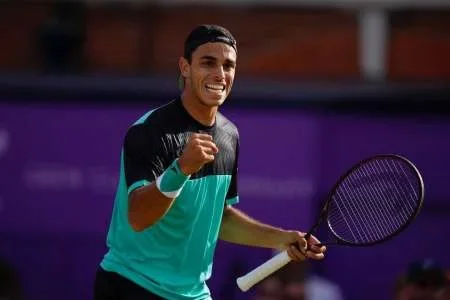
column 199, row 150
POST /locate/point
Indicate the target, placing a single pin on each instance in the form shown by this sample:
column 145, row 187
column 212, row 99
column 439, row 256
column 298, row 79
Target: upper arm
column 232, row 196
column 143, row 157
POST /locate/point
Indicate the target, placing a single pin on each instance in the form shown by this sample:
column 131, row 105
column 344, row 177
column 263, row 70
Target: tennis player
column 178, row 187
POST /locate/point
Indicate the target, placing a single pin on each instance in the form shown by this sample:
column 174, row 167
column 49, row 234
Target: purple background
column 58, row 171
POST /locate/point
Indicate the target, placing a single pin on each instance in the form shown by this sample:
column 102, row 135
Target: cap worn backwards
column 207, row 33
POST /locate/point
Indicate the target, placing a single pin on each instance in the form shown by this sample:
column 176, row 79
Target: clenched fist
column 199, row 150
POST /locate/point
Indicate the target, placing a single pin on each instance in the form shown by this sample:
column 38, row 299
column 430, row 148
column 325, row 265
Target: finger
column 198, row 138
column 313, row 240
column 290, row 254
column 207, row 157
column 302, row 244
column 294, row 253
column 314, row 243
column 192, row 136
column 208, row 151
column 316, row 248
column 210, row 145
column 314, row 255
column 203, row 136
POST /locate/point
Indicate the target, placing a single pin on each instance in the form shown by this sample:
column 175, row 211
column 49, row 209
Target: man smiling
column 178, row 186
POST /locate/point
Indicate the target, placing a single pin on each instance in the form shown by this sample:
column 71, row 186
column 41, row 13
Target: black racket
column 372, row 202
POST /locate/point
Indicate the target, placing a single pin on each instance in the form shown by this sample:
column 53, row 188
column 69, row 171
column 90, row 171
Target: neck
column 204, row 114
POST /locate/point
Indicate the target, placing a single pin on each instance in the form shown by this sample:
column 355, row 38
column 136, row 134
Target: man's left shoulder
column 225, row 124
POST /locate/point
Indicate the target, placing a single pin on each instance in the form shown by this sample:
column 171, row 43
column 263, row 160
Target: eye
column 209, row 63
column 228, row 66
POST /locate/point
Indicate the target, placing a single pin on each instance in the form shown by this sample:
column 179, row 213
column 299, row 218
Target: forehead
column 220, row 51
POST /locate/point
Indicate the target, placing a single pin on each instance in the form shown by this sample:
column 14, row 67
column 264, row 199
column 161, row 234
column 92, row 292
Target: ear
column 184, row 66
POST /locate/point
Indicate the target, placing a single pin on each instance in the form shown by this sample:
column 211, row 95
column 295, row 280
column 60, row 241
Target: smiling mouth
column 215, row 87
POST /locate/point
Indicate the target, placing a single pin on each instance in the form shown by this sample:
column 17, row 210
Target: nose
column 220, row 73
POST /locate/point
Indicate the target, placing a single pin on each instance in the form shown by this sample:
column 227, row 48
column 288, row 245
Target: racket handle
column 264, row 270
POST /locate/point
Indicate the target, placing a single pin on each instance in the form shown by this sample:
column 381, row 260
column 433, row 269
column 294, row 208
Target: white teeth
column 218, row 87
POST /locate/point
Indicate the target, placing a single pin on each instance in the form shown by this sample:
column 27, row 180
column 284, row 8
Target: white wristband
column 171, row 182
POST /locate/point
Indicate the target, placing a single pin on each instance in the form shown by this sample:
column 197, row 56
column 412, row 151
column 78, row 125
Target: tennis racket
column 372, row 202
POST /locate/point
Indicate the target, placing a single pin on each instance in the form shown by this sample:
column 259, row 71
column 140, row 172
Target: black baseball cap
column 207, row 33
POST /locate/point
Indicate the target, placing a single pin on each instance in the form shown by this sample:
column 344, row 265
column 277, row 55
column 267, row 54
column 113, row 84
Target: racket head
column 385, row 192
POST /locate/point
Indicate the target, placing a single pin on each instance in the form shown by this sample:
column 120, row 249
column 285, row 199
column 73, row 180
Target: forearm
column 150, row 203
column 146, row 206
column 239, row 228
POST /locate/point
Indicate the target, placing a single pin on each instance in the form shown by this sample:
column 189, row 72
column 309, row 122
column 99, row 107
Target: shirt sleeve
column 143, row 157
column 232, row 196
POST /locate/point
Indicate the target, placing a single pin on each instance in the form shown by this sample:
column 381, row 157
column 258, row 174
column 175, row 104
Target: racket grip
column 264, row 270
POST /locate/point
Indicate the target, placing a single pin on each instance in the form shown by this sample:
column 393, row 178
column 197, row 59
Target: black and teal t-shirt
column 173, row 258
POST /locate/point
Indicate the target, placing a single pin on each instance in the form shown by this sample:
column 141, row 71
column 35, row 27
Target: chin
column 212, row 102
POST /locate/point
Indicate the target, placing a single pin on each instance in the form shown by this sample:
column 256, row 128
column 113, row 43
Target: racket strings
column 364, row 222
column 368, row 224
column 381, row 206
column 374, row 201
column 375, row 209
column 411, row 189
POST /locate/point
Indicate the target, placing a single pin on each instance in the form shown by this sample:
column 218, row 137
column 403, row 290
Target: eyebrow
column 209, row 57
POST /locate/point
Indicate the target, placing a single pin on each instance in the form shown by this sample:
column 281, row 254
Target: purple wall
column 370, row 273
column 58, row 171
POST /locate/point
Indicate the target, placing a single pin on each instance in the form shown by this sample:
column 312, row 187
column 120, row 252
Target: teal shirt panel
column 174, row 257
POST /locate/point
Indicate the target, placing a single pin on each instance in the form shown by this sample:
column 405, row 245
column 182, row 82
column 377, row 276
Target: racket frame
column 324, row 212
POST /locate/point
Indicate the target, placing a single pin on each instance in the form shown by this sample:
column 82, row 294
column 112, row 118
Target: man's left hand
column 299, row 249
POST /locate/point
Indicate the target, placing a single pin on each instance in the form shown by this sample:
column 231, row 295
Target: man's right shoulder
column 156, row 115
column 154, row 121
column 147, row 129
column 150, row 129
